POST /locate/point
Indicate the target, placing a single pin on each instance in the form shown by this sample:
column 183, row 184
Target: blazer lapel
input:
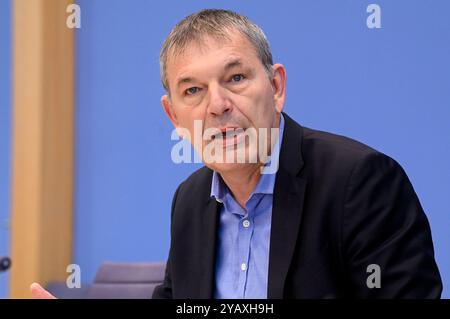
column 207, row 243
column 287, row 208
column 286, row 219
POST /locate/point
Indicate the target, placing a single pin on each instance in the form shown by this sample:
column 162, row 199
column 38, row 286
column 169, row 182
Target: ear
column 279, row 86
column 168, row 109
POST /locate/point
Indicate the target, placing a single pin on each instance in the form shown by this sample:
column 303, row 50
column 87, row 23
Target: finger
column 40, row 293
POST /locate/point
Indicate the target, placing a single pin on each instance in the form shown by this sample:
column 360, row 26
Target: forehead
column 211, row 52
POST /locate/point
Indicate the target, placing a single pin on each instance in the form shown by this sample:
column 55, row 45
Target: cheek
column 191, row 120
column 257, row 105
column 187, row 115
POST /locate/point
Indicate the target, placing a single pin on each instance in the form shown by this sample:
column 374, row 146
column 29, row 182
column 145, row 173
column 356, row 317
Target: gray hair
column 217, row 24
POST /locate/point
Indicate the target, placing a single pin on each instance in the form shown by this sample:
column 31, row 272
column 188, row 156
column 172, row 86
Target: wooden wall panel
column 42, row 155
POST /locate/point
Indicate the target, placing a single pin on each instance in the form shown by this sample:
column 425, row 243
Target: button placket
column 245, row 234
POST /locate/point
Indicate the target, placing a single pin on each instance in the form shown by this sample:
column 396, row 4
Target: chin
column 227, row 167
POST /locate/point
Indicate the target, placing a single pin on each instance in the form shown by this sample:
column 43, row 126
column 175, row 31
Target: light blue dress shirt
column 242, row 260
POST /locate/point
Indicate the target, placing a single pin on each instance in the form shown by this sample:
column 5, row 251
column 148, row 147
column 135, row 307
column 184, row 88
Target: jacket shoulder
column 334, row 142
column 324, row 147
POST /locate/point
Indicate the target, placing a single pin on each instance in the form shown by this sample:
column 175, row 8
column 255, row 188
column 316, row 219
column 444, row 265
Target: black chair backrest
column 126, row 280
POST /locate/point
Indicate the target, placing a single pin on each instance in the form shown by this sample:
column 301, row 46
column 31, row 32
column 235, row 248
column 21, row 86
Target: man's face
column 225, row 85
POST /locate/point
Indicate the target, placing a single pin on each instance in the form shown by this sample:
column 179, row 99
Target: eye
column 192, row 90
column 237, row 78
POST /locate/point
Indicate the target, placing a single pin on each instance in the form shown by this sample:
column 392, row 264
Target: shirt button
column 246, row 223
column 243, row 266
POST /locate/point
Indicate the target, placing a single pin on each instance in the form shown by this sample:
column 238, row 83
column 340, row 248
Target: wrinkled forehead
column 197, row 49
column 204, row 41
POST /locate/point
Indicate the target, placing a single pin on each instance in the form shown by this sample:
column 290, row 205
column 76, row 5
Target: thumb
column 40, row 293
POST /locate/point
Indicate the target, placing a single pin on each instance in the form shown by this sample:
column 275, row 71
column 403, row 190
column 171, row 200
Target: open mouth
column 229, row 136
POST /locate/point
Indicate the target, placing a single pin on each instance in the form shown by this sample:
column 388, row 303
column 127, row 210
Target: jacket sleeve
column 164, row 291
column 386, row 235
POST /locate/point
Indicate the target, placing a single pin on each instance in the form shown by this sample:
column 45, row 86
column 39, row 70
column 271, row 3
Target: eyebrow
column 229, row 65
column 186, row 79
column 232, row 64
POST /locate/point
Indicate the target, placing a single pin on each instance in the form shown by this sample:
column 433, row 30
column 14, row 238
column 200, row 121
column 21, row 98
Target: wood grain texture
column 42, row 155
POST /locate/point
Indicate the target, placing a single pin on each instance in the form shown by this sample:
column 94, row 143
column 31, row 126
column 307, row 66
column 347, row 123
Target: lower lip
column 233, row 140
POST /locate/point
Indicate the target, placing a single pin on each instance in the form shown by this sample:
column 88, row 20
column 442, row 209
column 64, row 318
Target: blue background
column 388, row 87
column 5, row 133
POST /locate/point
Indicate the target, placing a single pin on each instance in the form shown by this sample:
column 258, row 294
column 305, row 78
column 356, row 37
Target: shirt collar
column 266, row 182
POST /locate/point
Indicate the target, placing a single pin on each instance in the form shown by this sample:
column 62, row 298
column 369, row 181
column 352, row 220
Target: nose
column 219, row 101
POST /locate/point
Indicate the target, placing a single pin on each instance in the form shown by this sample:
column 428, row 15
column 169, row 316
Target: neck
column 242, row 182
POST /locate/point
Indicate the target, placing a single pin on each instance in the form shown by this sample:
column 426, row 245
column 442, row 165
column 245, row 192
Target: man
column 335, row 219
column 334, row 209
